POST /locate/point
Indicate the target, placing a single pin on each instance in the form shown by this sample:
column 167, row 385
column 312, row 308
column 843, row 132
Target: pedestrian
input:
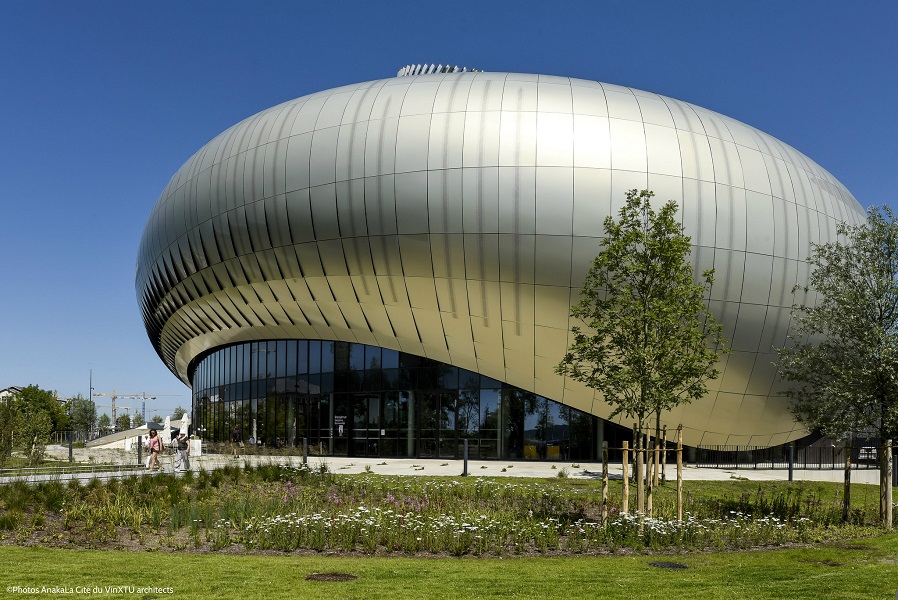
column 146, row 449
column 155, row 447
column 183, row 461
column 236, row 441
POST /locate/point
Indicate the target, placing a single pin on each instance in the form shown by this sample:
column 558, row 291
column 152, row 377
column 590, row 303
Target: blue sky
column 103, row 101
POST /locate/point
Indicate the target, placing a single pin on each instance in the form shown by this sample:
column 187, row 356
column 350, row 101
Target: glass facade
column 356, row 400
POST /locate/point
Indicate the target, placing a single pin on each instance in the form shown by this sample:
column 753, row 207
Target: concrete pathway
column 434, row 467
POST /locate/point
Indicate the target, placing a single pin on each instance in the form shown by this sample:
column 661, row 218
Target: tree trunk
column 625, row 465
column 649, row 483
column 656, row 453
column 885, row 484
column 640, row 476
column 680, row 474
column 846, row 490
column 604, row 482
column 664, row 455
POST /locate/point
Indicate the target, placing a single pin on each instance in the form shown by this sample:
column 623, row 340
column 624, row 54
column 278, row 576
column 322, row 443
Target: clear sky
column 102, row 101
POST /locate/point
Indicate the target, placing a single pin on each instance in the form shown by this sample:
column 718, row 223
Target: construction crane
column 127, row 409
column 142, row 396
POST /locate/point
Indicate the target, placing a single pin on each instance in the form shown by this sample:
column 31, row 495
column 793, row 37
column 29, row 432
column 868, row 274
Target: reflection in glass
column 358, row 400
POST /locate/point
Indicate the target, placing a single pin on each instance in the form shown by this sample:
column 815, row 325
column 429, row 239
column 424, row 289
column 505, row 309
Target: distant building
column 7, row 392
column 387, row 268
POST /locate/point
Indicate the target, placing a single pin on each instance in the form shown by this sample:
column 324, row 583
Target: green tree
column 7, row 424
column 33, row 429
column 841, row 359
column 178, row 413
column 123, row 422
column 104, row 424
column 33, row 399
column 83, row 415
column 649, row 343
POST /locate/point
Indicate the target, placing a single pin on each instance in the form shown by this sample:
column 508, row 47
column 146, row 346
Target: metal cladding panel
column 454, row 216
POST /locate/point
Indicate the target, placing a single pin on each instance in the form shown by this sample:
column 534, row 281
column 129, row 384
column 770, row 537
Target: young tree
column 178, row 413
column 104, row 424
column 842, row 356
column 33, row 429
column 649, row 342
column 83, row 415
column 123, row 422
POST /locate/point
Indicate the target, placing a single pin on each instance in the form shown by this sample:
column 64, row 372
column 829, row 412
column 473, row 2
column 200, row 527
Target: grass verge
column 863, row 568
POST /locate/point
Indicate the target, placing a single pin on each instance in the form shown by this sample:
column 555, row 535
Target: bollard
column 139, row 451
column 464, row 472
column 70, row 447
column 791, row 461
column 305, row 450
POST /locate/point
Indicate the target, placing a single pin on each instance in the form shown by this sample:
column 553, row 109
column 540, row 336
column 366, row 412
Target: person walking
column 183, row 461
column 155, row 449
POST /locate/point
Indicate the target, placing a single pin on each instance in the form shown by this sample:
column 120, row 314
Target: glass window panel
column 291, row 358
column 428, row 405
column 371, row 379
column 253, row 356
column 355, row 357
column 372, row 357
column 468, row 412
column 391, row 412
column 281, row 357
column 326, row 382
column 238, row 363
column 315, row 357
column 390, row 379
column 489, row 409
column 409, row 360
column 267, row 359
column 360, row 412
column 448, row 377
column 488, row 383
column 374, row 412
column 389, row 359
column 468, row 379
column 302, row 357
column 328, row 356
column 448, row 407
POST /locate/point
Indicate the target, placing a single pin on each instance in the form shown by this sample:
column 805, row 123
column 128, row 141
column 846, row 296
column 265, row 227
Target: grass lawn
column 866, row 568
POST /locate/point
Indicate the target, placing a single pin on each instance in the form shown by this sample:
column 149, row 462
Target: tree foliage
column 842, row 355
column 34, row 429
column 33, row 399
column 7, row 424
column 123, row 422
column 83, row 415
column 649, row 342
column 104, row 424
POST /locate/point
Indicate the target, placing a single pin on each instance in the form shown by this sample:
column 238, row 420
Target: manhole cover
column 668, row 565
column 331, row 577
column 825, row 563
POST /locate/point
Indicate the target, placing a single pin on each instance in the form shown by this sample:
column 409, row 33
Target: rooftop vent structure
column 426, row 69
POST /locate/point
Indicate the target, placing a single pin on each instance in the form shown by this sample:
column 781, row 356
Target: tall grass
column 278, row 507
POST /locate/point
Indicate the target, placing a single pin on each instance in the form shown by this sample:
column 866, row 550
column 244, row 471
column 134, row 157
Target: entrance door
column 366, row 425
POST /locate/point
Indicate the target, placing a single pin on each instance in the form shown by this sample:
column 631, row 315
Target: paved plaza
column 126, row 463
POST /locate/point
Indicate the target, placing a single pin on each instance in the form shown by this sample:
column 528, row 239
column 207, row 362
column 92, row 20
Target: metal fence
column 778, row 457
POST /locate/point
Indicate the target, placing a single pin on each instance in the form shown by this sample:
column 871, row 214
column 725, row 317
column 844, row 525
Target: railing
column 33, row 474
column 778, row 457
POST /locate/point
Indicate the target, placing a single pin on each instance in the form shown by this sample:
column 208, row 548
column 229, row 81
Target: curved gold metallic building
column 450, row 218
